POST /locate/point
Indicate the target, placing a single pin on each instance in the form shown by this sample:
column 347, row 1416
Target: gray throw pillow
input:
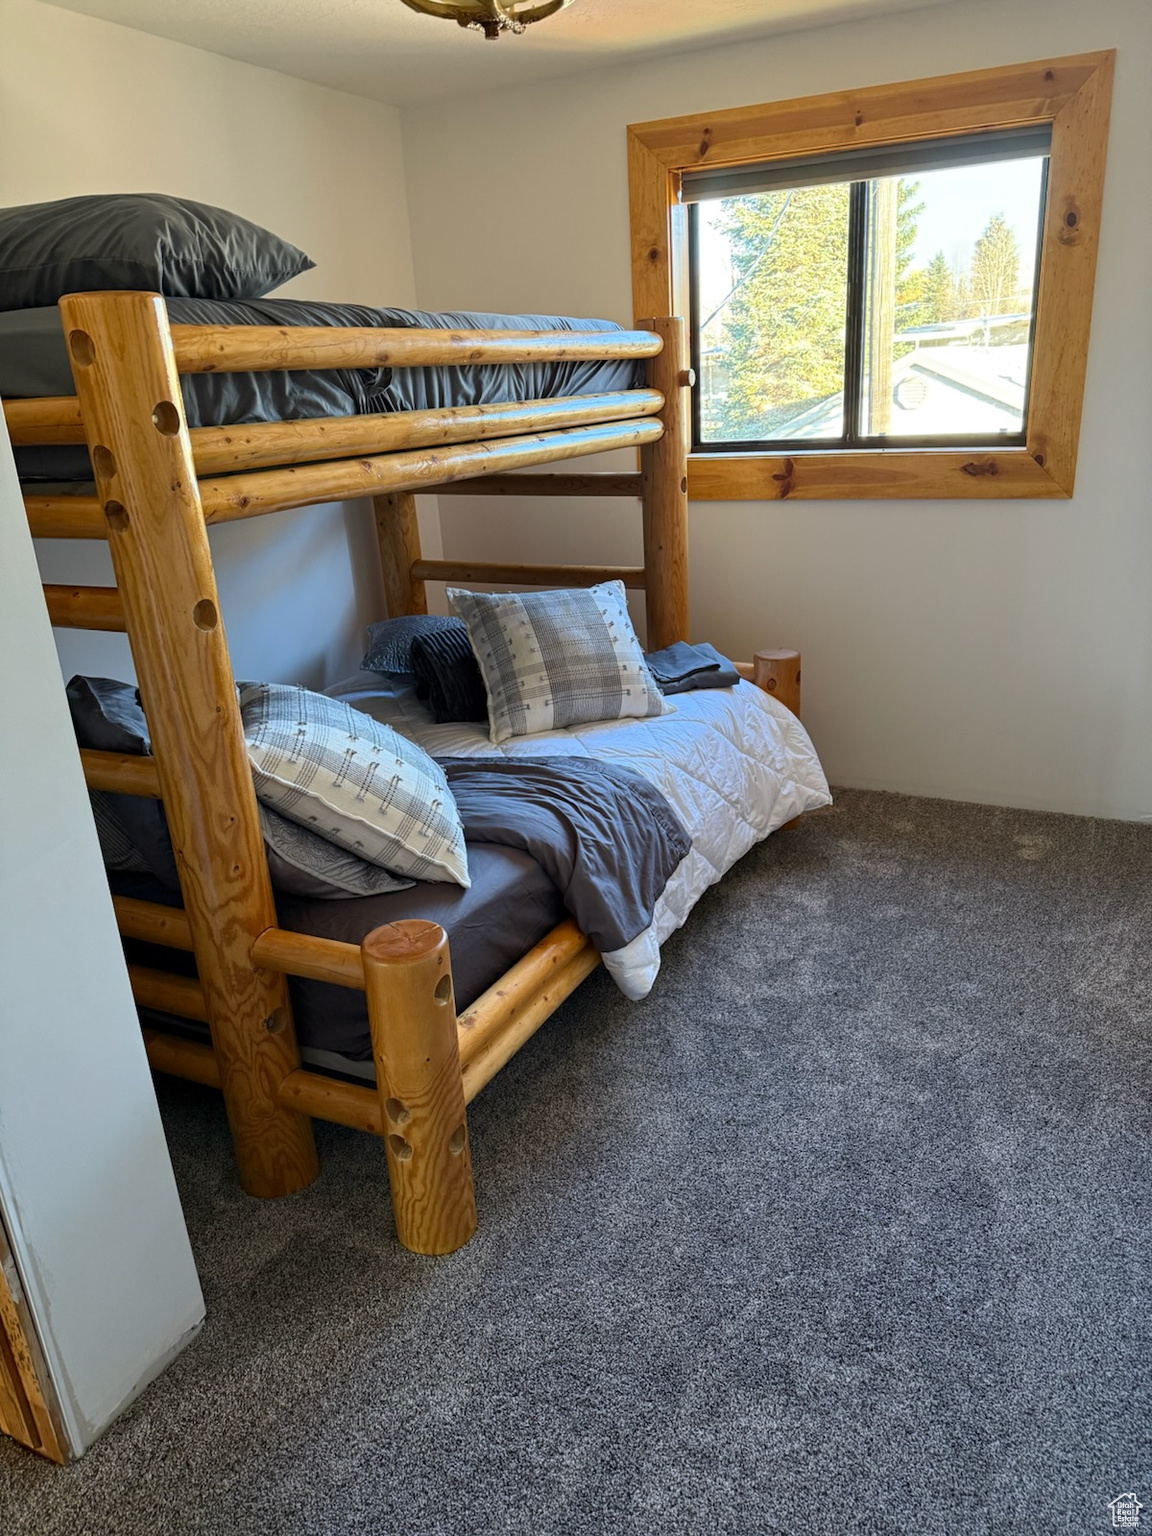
column 554, row 659
column 359, row 783
column 390, row 640
column 140, row 240
column 302, row 863
column 133, row 831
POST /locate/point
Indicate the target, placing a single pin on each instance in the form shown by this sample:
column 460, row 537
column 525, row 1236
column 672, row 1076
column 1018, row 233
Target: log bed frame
column 159, row 485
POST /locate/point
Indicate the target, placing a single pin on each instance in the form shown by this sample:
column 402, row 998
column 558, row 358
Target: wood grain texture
column 302, row 954
column 411, row 1011
column 901, row 112
column 226, row 450
column 121, row 773
column 882, row 474
column 65, row 517
column 49, row 419
column 528, row 575
column 151, row 922
column 168, row 993
column 501, row 1046
column 1073, row 94
column 258, row 348
column 398, row 535
column 327, row 1098
column 275, row 490
column 517, row 988
column 84, row 607
column 182, row 1058
column 1068, row 275
column 129, row 394
column 652, row 195
column 29, row 1407
column 778, row 673
column 664, row 471
column 592, row 483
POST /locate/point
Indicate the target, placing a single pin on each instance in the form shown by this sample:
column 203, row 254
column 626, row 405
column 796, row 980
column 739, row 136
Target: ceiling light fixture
column 489, row 16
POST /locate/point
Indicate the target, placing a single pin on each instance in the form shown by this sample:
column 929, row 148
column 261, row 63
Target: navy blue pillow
column 390, row 640
column 448, row 677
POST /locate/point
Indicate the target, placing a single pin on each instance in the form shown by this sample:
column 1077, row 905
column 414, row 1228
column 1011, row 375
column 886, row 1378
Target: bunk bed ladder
column 127, row 385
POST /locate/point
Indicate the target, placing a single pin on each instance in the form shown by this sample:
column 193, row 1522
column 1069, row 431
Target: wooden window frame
column 1074, row 94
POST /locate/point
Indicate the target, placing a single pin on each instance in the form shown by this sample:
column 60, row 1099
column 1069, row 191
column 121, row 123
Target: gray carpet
column 844, row 1229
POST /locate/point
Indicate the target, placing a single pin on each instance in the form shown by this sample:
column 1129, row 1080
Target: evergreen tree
column 785, row 323
column 783, row 329
column 909, row 280
column 995, row 272
column 941, row 301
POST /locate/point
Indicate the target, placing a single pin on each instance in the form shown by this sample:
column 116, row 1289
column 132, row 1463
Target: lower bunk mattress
column 732, row 763
column 34, row 362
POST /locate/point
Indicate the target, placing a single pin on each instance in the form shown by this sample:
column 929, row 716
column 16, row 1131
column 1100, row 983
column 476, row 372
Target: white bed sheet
column 733, row 762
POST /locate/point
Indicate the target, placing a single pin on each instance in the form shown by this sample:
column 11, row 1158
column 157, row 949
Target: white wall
column 86, row 1187
column 87, row 106
column 979, row 650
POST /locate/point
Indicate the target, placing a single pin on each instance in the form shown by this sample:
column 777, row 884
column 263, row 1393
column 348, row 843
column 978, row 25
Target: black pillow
column 448, row 677
column 141, row 240
column 108, row 716
column 390, row 640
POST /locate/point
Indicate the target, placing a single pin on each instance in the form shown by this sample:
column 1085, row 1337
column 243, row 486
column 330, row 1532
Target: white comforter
column 733, row 762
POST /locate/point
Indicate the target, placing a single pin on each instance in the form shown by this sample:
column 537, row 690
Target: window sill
column 872, row 474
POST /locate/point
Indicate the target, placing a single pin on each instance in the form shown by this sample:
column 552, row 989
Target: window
column 867, row 299
column 889, row 291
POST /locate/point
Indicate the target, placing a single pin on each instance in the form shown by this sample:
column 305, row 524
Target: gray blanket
column 541, row 832
column 34, row 361
column 607, row 838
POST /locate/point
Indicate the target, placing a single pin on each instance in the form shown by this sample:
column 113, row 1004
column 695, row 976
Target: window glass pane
column 771, row 283
column 951, row 258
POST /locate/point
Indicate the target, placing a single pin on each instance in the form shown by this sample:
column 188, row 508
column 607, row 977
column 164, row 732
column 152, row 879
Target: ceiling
column 383, row 50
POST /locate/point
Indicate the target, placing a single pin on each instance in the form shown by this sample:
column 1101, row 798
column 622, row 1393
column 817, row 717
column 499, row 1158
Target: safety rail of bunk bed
column 274, row 466
column 56, row 421
column 252, row 470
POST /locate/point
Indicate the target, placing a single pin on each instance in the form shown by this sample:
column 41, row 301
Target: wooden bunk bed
column 159, row 485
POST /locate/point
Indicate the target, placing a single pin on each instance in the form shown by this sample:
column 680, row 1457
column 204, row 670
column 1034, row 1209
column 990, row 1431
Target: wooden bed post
column 412, row 1013
column 664, row 469
column 129, row 392
column 778, row 673
column 398, row 531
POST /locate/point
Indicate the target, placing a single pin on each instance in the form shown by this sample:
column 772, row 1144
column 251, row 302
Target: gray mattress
column 509, row 907
column 34, row 361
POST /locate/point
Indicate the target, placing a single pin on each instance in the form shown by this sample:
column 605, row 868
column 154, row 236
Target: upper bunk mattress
column 34, row 361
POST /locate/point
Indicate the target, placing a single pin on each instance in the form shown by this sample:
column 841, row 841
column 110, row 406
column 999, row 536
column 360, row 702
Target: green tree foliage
column 940, row 298
column 995, row 272
column 909, row 280
column 784, row 329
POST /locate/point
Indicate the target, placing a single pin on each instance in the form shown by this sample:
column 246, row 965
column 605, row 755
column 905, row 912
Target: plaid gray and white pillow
column 551, row 659
column 358, row 783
